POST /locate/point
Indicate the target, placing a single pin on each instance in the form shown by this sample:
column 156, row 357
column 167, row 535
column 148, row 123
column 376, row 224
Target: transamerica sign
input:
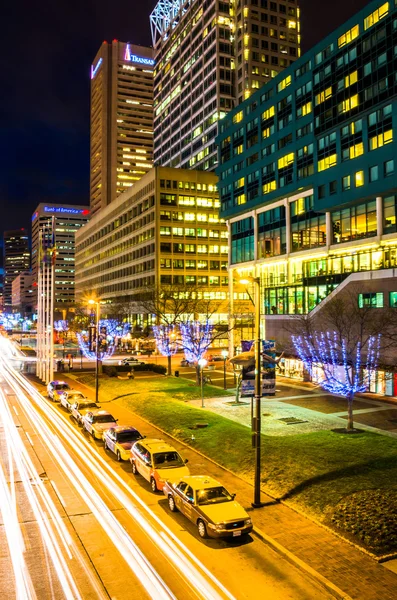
column 142, row 60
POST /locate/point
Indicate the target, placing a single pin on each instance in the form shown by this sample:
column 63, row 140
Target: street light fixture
column 225, row 354
column 96, row 304
column 202, row 363
column 258, row 391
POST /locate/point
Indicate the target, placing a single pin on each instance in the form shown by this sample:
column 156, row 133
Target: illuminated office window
column 349, row 36
column 359, row 178
column 356, row 150
column 327, row 162
column 284, row 83
column 323, row 96
column 376, row 16
column 348, row 104
column 286, row 160
column 380, row 140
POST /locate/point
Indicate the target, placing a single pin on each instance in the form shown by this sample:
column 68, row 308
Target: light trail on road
column 55, row 432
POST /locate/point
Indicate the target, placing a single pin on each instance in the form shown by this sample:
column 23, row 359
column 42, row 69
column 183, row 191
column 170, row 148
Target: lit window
column 370, row 300
column 238, row 117
column 380, row 140
column 284, row 83
column 356, row 150
column 286, row 160
column 348, row 104
column 327, row 162
column 350, row 79
column 349, row 36
column 269, row 187
column 324, row 95
column 268, row 113
column 359, row 178
column 376, row 16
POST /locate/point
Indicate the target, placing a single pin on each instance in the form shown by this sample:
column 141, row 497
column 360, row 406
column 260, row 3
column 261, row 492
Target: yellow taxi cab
column 207, row 504
column 157, row 461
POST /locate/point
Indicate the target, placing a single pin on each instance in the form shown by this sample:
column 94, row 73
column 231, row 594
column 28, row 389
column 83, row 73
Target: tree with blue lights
column 337, row 373
column 340, row 344
column 167, row 342
column 196, row 338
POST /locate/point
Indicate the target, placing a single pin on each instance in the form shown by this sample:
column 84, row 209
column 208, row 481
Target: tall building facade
column 68, row 219
column 121, row 120
column 22, row 293
column 16, row 253
column 166, row 230
column 210, row 55
column 308, row 174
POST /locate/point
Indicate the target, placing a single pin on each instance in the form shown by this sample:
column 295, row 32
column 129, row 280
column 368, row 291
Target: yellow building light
column 268, row 113
column 284, row 83
column 356, row 150
column 238, row 117
column 359, row 178
column 349, row 36
column 376, row 16
column 381, row 140
column 327, row 162
column 286, row 160
column 348, row 104
column 324, row 95
column 269, row 187
column 350, row 79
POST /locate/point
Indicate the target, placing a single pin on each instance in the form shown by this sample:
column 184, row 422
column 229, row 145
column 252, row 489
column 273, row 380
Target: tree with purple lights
column 196, row 337
column 342, row 370
column 166, row 341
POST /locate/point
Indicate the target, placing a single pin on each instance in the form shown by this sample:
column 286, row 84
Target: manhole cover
column 292, row 420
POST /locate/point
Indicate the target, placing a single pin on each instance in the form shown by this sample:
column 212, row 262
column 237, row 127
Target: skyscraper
column 16, row 259
column 121, row 120
column 211, row 55
column 68, row 220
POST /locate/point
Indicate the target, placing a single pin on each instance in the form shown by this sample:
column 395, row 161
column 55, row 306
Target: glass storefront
column 297, row 286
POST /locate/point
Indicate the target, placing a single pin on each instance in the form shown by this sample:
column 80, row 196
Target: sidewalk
column 356, row 574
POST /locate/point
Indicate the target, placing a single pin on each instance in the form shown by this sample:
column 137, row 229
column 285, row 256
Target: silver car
column 97, row 421
column 69, row 397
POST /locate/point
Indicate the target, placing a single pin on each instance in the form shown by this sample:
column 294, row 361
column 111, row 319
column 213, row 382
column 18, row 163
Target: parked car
column 69, row 397
column 97, row 421
column 131, row 361
column 81, row 407
column 56, row 388
column 120, row 440
column 157, row 461
column 207, row 504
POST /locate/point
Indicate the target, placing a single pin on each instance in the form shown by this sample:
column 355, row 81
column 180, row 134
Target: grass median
column 347, row 481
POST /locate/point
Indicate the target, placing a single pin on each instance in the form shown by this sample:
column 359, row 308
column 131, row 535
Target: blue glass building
column 308, row 169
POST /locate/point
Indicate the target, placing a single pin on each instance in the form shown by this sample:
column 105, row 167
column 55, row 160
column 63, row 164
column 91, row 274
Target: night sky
column 47, row 50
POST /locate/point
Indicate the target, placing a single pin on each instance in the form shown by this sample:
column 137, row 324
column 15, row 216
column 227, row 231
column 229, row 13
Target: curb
column 301, row 565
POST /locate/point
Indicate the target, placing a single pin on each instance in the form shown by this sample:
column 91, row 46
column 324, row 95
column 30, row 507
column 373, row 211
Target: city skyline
column 51, row 140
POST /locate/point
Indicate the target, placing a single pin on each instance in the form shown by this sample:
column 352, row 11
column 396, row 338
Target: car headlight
column 248, row 522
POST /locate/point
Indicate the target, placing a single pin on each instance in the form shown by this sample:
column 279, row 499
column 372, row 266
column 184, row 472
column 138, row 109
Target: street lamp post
column 258, row 391
column 202, row 362
column 94, row 302
column 224, row 355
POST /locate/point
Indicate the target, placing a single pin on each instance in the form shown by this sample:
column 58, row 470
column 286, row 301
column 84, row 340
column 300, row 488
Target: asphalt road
column 91, row 529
